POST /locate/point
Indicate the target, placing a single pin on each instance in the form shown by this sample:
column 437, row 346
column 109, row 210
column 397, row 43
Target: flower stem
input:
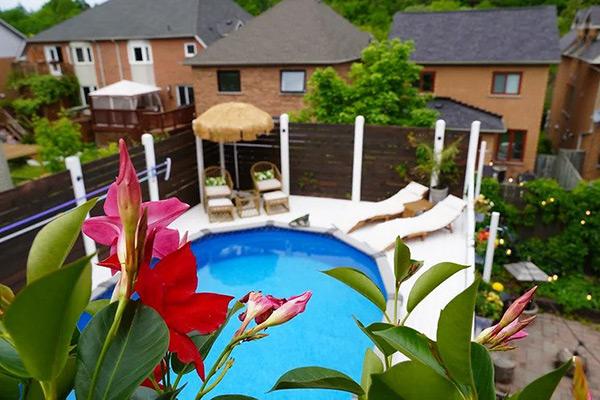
column 49, row 389
column 396, row 304
column 112, row 332
column 179, row 376
column 210, row 387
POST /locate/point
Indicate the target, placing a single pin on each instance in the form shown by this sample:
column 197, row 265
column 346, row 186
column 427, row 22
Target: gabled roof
column 291, row 32
column 526, row 35
column 12, row 29
column 574, row 45
column 459, row 115
column 149, row 19
column 588, row 16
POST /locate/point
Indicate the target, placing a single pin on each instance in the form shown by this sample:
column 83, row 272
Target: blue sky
column 35, row 4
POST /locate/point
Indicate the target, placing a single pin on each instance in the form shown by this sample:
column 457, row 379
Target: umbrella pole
column 222, row 154
column 200, row 161
column 235, row 161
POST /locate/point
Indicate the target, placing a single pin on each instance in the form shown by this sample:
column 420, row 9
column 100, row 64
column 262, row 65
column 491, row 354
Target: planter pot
column 482, row 323
column 438, row 194
column 479, row 217
column 533, row 309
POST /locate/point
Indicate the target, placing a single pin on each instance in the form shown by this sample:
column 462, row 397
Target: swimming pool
column 283, row 263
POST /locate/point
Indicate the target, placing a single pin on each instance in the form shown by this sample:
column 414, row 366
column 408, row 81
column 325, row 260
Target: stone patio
column 536, row 354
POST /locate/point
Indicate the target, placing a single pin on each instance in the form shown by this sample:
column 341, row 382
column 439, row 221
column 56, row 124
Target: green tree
column 381, row 88
column 57, row 139
column 51, row 13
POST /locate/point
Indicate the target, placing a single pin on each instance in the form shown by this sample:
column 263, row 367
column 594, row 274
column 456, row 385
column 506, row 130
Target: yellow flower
column 498, row 287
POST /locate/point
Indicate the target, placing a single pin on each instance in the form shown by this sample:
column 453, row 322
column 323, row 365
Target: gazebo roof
column 125, row 88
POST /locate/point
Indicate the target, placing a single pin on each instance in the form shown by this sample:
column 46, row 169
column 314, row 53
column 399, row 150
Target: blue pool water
column 285, row 263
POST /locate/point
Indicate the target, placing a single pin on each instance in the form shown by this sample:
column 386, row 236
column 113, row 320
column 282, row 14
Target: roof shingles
column 526, row 35
column 459, row 115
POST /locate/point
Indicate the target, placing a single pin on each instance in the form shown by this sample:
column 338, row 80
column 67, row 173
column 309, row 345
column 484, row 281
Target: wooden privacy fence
column 43, row 194
column 321, row 158
column 320, row 165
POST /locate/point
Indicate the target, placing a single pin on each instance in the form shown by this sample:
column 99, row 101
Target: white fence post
column 99, row 274
column 148, row 142
column 482, row 151
column 200, row 162
column 491, row 246
column 473, row 144
column 359, row 132
column 438, row 147
column 284, row 138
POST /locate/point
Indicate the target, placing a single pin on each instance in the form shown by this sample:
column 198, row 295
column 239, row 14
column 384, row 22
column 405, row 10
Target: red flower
column 170, row 288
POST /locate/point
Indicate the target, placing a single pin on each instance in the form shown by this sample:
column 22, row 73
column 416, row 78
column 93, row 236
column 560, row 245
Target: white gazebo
column 126, row 95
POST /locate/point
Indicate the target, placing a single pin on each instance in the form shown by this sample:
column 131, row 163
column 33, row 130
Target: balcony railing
column 135, row 122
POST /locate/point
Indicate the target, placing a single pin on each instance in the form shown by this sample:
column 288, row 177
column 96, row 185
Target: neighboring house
column 146, row 41
column 12, row 43
column 459, row 116
column 575, row 114
column 495, row 60
column 270, row 59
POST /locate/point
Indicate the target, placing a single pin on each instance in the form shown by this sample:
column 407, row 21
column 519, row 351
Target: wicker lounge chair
column 266, row 176
column 217, row 183
column 276, row 202
column 385, row 210
column 441, row 216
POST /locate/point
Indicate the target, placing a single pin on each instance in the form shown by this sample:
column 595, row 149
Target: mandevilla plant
column 130, row 348
column 453, row 367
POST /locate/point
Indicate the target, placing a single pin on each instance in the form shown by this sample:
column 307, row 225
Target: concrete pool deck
column 326, row 214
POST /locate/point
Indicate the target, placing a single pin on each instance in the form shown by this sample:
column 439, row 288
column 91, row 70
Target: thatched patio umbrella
column 230, row 122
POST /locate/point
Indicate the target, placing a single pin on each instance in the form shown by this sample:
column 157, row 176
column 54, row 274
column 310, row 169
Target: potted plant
column 488, row 305
column 426, row 166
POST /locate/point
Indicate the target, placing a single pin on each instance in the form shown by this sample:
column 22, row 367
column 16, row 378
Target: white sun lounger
column 442, row 215
column 364, row 214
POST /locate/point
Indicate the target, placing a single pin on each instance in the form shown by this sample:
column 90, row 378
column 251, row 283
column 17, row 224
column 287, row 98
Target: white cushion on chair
column 220, row 202
column 218, row 191
column 268, row 184
column 276, row 195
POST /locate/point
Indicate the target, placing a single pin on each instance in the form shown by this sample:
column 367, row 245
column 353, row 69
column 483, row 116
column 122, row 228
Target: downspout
column 118, row 52
column 99, row 51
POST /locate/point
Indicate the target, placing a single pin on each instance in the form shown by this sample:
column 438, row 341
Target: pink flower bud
column 515, row 309
column 129, row 192
column 294, row 306
column 258, row 307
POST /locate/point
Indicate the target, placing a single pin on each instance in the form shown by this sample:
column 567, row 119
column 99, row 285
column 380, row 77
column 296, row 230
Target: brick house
column 12, row 43
column 146, row 41
column 575, row 113
column 268, row 61
column 494, row 60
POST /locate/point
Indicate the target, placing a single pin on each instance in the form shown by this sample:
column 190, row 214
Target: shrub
column 42, row 90
column 572, row 291
column 57, row 139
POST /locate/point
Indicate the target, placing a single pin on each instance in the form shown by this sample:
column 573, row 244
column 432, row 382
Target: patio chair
column 276, row 202
column 384, row 210
column 217, row 183
column 441, row 216
column 265, row 176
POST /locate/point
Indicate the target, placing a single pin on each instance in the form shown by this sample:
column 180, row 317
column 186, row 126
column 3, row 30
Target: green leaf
column 483, row 372
column 360, row 283
column 64, row 383
column 402, row 260
column 54, row 242
column 317, row 378
column 9, row 387
column 234, row 397
column 204, row 343
column 543, row 387
column 139, row 344
column 95, row 306
column 412, row 380
column 54, row 303
column 413, row 345
column 431, row 279
column 371, row 365
column 10, row 362
column 6, row 297
column 370, row 331
column 455, row 327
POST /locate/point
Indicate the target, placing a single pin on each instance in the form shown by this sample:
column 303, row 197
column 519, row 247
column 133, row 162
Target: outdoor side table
column 415, row 208
column 247, row 203
column 526, row 271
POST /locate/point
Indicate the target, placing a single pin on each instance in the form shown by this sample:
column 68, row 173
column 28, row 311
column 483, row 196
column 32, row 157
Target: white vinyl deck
column 328, row 213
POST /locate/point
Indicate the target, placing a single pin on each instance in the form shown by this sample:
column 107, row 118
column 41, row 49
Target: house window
column 190, row 49
column 140, row 52
column 85, row 94
column 427, row 81
column 185, row 95
column 229, row 81
column 293, row 81
column 82, row 55
column 506, row 83
column 511, row 146
column 54, row 57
